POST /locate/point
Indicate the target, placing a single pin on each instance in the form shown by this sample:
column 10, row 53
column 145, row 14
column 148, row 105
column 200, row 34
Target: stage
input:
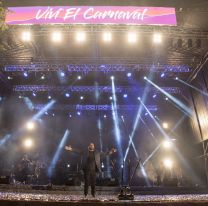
column 56, row 195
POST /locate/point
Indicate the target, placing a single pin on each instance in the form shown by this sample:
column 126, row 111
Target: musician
column 90, row 165
column 24, row 163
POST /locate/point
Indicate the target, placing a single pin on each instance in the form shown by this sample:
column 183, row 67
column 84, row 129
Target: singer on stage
column 90, row 165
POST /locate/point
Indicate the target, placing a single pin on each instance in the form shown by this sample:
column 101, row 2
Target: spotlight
column 110, row 98
column 79, row 77
column 20, row 97
column 146, row 113
column 132, row 37
column 122, row 166
column 46, row 113
column 166, row 98
column 168, row 163
column 139, row 98
column 157, row 38
column 53, row 114
column 70, row 115
column 154, row 96
column 112, row 77
column 81, row 97
column 145, row 77
column 79, row 113
column 68, row 165
column 62, row 74
column 107, row 36
column 25, row 74
column 176, row 78
column 28, row 143
column 162, row 75
column 9, row 77
column 80, row 36
column 167, row 144
column 67, row 95
column 56, row 37
column 165, row 125
column 129, row 74
column 30, row 125
column 34, row 94
column 49, row 97
column 26, row 36
column 42, row 77
column 102, row 165
column 125, row 95
column 105, row 116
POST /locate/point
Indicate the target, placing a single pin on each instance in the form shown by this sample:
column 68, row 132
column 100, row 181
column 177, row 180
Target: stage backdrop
column 92, row 15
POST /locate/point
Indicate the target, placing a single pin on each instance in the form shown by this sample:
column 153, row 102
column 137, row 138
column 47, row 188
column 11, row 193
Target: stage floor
column 100, row 198
column 26, row 196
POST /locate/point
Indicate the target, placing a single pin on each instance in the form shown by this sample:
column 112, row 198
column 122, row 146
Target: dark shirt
column 91, row 164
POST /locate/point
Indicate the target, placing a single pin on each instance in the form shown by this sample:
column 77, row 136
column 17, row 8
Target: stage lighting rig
column 30, row 125
column 157, row 38
column 167, row 144
column 28, row 143
column 26, row 36
column 107, row 37
column 165, row 125
column 132, row 37
column 80, row 36
column 168, row 163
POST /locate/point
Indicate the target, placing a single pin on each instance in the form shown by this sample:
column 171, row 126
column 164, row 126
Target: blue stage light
column 146, row 114
column 58, row 152
column 173, row 99
column 145, row 77
column 125, row 95
column 139, row 98
column 79, row 113
column 112, row 77
column 49, row 97
column 5, row 139
column 43, row 110
column 62, row 74
column 25, row 74
column 193, row 87
column 162, row 75
column 116, row 122
column 67, row 95
column 129, row 74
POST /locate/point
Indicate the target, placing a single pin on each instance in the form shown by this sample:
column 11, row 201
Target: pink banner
column 92, row 15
